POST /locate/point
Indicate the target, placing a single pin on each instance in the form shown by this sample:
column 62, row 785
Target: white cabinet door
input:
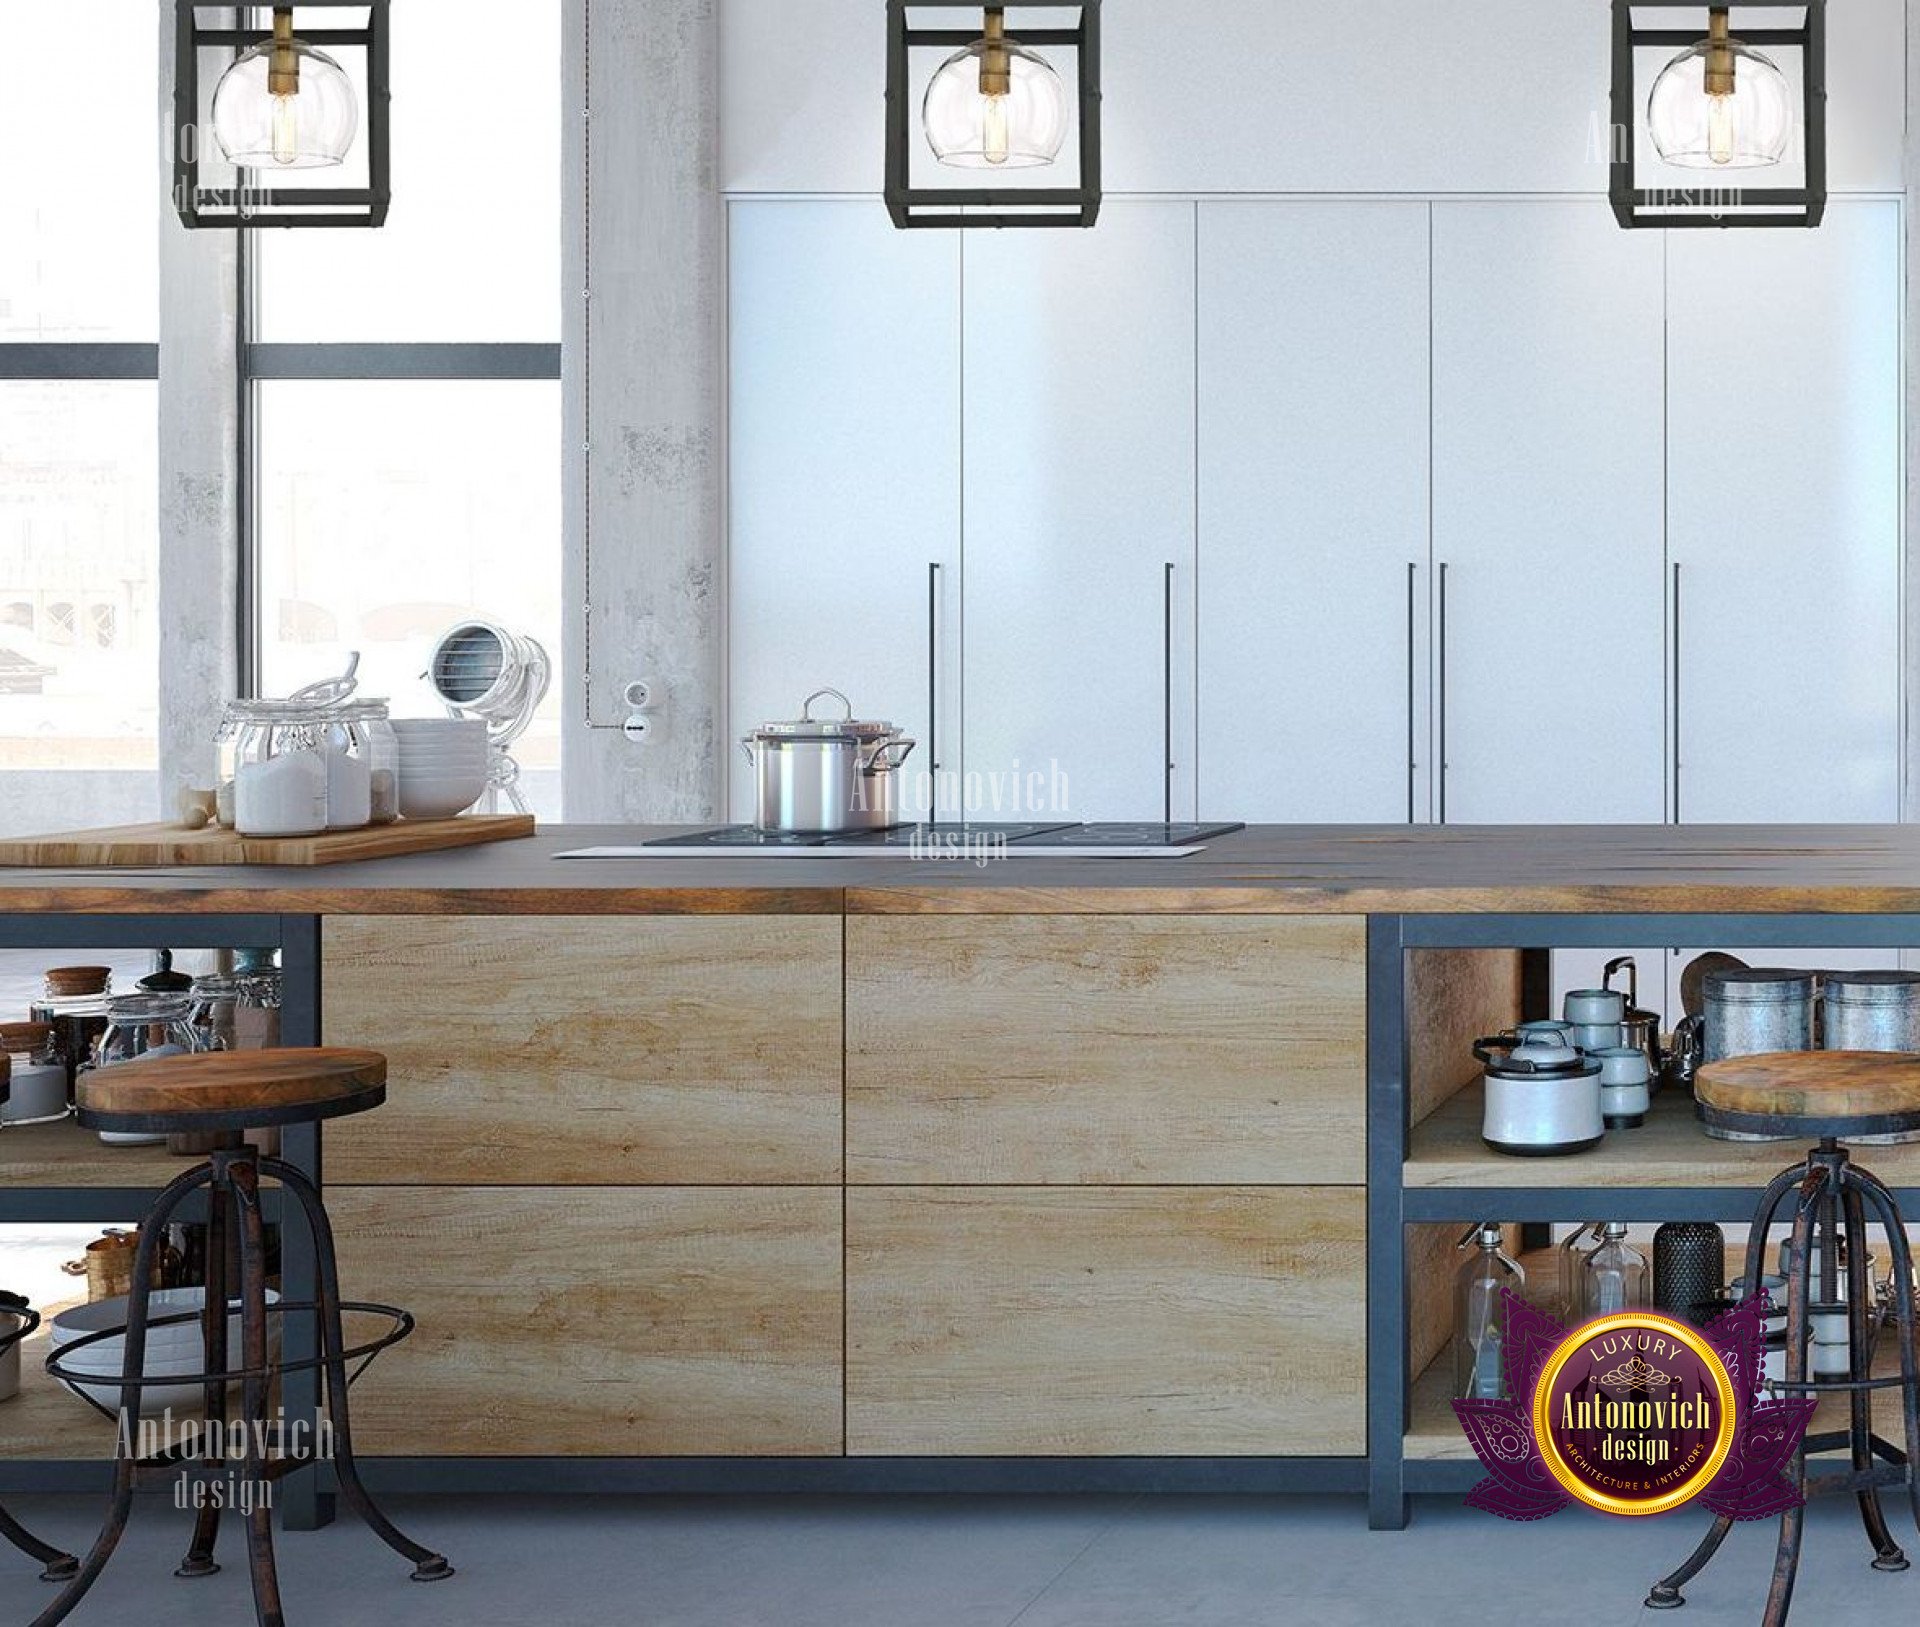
column 1547, row 521
column 1785, row 514
column 1079, row 496
column 1313, row 609
column 844, row 469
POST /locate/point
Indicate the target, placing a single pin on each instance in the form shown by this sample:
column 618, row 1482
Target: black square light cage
column 243, row 202
column 1710, row 205
column 911, row 206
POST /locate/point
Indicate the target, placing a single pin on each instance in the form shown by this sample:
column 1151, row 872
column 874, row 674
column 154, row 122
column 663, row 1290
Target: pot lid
column 1758, row 984
column 844, row 727
column 1537, row 1056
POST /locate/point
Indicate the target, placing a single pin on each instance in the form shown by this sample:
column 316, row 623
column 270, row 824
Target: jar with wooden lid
column 74, row 1005
column 36, row 1074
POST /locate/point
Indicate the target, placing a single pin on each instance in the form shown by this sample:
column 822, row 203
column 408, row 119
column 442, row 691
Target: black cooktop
column 1029, row 834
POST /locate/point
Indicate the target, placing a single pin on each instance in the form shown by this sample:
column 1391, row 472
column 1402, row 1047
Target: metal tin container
column 1542, row 1099
column 1750, row 1010
column 1871, row 1011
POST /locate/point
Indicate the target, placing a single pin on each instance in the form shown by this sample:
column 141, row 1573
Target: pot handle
column 806, row 706
column 1633, row 978
column 873, row 764
column 1483, row 1048
column 29, row 1320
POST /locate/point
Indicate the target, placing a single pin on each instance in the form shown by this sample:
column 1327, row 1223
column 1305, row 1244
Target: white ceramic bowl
column 171, row 1350
column 440, row 797
column 440, row 729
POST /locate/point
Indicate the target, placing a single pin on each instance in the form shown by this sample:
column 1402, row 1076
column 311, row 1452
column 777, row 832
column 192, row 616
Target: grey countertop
column 1263, row 869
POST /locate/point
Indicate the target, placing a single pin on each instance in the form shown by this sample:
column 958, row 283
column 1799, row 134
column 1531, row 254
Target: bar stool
column 223, row 1094
column 59, row 1566
column 1829, row 1096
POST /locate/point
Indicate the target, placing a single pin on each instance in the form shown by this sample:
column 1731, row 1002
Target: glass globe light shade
column 971, row 130
column 1744, row 130
column 310, row 129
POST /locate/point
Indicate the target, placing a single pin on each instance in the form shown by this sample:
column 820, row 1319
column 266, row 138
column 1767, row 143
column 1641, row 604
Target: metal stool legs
column 59, row 1566
column 428, row 1565
column 233, row 1179
column 1836, row 1198
column 134, row 1360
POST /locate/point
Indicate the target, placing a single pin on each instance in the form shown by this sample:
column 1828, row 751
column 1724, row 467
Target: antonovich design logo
column 1634, row 1413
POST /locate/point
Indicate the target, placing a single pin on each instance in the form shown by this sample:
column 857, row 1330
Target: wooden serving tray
column 162, row 845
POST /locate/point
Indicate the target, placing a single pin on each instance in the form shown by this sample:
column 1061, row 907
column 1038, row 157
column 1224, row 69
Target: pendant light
column 994, row 105
column 283, row 104
column 1720, row 104
column 285, row 100
column 1719, row 107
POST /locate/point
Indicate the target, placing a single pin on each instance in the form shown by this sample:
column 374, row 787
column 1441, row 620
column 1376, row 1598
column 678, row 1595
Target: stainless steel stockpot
column 826, row 774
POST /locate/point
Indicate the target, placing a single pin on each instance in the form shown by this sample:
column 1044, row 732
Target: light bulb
column 286, row 129
column 994, row 143
column 1720, row 129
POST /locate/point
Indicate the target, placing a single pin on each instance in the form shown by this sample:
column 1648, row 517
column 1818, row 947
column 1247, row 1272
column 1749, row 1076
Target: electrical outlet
column 640, row 694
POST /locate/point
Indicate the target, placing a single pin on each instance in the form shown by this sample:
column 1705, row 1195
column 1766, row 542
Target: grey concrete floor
column 971, row 1562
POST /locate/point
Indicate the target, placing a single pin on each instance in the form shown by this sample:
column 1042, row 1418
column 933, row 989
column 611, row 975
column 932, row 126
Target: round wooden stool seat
column 1867, row 1096
column 231, row 1090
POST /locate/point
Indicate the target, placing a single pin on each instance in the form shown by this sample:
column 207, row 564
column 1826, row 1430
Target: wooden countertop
column 1355, row 869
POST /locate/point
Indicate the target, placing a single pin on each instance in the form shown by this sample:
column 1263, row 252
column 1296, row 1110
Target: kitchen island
column 841, row 1172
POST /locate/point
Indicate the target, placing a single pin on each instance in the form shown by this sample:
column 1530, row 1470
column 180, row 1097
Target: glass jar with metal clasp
column 143, row 1025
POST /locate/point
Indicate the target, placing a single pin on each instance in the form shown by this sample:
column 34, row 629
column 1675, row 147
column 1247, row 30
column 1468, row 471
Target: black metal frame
column 244, row 205
column 1634, row 205
column 912, row 206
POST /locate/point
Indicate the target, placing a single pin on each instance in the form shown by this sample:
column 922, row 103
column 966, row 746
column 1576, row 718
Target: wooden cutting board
column 162, row 845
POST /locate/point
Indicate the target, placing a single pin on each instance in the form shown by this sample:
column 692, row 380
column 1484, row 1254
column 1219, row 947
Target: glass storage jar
column 373, row 742
column 216, row 1001
column 272, row 755
column 37, row 1075
column 74, row 1005
column 143, row 1025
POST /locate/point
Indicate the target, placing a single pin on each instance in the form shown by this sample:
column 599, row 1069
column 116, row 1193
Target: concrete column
column 642, row 375
column 198, row 471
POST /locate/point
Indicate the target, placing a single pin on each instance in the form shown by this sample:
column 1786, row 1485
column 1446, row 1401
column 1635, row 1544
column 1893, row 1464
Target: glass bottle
column 1570, row 1263
column 1480, row 1314
column 1614, row 1275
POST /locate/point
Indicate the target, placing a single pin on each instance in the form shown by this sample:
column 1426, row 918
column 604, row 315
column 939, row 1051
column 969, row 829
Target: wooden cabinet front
column 1106, row 1321
column 1106, row 1049
column 591, row 1050
column 599, row 1322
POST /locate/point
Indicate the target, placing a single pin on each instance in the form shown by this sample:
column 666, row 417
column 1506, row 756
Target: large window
column 79, row 555
column 404, row 390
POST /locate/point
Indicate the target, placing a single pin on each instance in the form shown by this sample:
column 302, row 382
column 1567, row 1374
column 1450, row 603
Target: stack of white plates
column 443, row 764
column 172, row 1349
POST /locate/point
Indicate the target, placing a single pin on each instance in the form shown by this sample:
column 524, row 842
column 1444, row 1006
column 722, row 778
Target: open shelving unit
column 1434, row 983
column 60, row 1173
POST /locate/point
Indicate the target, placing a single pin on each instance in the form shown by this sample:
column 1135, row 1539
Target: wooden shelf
column 35, row 1155
column 1670, row 1149
column 66, row 1155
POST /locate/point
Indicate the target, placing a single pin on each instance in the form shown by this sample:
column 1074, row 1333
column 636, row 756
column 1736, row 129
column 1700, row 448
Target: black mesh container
column 1689, row 1269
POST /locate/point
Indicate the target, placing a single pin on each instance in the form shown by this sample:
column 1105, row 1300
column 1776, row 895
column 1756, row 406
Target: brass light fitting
column 996, row 69
column 283, row 71
column 1719, row 54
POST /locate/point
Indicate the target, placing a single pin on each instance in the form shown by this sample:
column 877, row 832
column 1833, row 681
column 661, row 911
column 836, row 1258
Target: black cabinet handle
column 1166, row 692
column 933, row 669
column 1413, row 764
column 1441, row 639
column 1675, row 743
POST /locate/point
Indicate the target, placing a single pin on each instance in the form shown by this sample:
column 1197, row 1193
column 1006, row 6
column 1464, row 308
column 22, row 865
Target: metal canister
column 1754, row 1009
column 1871, row 1011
